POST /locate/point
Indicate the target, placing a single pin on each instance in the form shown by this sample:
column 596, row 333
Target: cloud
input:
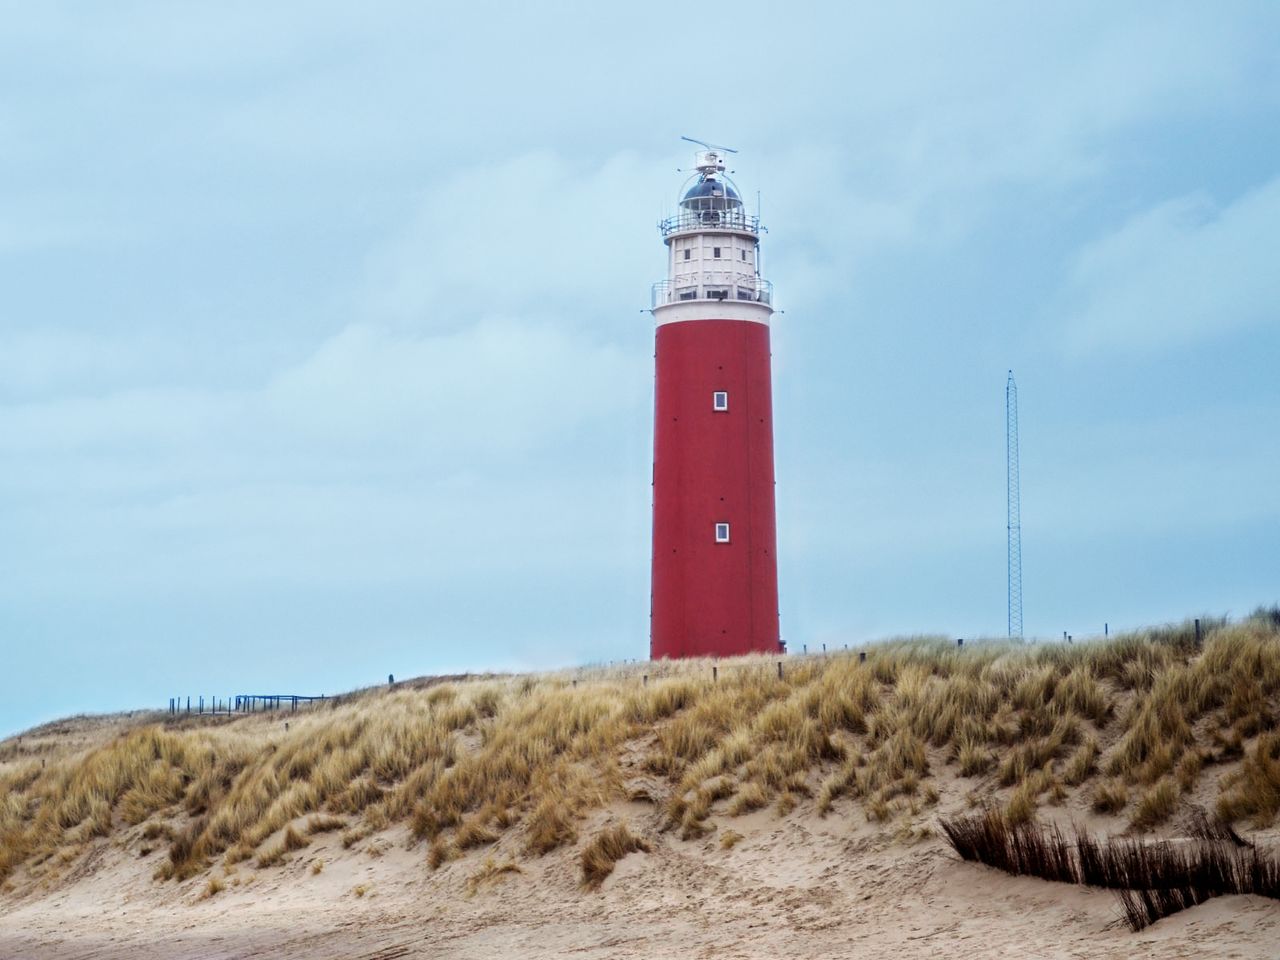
column 1183, row 271
column 946, row 117
column 381, row 453
column 489, row 390
column 68, row 363
column 497, row 388
column 531, row 234
column 325, row 314
column 1196, row 472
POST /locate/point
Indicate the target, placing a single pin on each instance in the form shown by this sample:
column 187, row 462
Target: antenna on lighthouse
column 710, row 146
column 710, row 160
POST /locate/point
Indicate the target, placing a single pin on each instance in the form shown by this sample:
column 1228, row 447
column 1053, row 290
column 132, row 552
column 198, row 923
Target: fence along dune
column 1130, row 725
column 1153, row 879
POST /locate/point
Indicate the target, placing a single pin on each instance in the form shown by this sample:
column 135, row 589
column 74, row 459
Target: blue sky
column 323, row 352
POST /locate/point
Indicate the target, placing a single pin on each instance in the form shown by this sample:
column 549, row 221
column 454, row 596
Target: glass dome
column 710, row 193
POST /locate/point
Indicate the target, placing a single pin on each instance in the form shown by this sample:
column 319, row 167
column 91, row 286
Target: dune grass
column 605, row 850
column 469, row 763
column 489, row 873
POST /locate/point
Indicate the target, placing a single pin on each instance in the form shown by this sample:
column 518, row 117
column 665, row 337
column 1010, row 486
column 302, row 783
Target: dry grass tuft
column 786, row 803
column 730, row 839
column 324, row 824
column 184, row 855
column 750, row 797
column 1082, row 763
column 1156, row 805
column 550, row 826
column 291, row 841
column 608, row 847
column 351, row 837
column 441, row 852
column 975, row 757
column 1110, row 797
column 156, row 830
column 474, row 832
column 489, row 873
column 1255, row 790
column 1022, row 803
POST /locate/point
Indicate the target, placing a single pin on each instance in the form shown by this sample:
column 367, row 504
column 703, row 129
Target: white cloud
column 1183, row 271
column 305, row 302
column 382, row 454
column 1197, row 472
column 69, row 363
column 494, row 388
column 528, row 234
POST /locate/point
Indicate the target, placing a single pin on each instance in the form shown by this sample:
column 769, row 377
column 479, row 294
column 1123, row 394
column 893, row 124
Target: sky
column 325, row 353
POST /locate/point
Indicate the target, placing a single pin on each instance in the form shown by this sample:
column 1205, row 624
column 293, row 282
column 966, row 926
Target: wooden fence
column 241, row 703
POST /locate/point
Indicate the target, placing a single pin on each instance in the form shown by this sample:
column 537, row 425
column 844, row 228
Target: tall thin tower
column 1013, row 497
column 715, row 574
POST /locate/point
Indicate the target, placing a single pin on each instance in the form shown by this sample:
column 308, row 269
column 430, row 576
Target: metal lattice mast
column 1014, row 506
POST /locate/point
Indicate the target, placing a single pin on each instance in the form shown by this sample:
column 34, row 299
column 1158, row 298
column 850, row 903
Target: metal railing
column 692, row 221
column 749, row 290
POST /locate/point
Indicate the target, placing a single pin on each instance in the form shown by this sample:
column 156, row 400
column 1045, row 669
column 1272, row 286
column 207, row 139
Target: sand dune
column 448, row 818
column 799, row 886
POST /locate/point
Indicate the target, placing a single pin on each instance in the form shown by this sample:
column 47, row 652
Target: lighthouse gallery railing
column 691, row 221
column 752, row 290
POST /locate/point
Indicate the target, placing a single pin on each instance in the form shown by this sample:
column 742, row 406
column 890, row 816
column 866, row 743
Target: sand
column 799, row 886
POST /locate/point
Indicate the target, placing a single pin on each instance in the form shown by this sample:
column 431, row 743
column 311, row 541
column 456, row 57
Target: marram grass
column 1131, row 725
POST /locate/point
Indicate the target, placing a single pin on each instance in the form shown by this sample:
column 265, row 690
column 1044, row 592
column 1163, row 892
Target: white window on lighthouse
column 722, row 533
column 720, row 400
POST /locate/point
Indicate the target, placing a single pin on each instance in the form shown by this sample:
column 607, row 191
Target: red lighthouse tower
column 715, row 574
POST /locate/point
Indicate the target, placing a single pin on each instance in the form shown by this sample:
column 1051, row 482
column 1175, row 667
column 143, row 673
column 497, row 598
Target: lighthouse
column 715, row 572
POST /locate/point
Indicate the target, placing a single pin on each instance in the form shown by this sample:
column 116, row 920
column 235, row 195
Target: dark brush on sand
column 1152, row 879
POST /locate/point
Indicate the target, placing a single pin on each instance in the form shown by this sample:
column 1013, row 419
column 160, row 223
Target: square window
column 720, row 400
column 686, row 254
column 715, row 252
column 722, row 533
